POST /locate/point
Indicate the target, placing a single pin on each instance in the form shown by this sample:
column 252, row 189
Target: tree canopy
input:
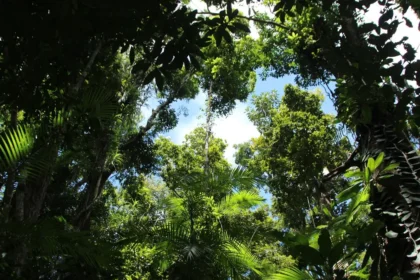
column 91, row 188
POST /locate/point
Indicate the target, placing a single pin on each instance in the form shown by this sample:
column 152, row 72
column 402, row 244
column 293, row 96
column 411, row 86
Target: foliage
column 90, row 189
column 297, row 142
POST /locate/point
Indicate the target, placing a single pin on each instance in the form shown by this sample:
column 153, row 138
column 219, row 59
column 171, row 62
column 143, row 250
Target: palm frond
column 173, row 233
column 237, row 178
column 175, row 207
column 235, row 257
column 241, row 200
column 100, row 104
column 216, row 247
column 53, row 238
column 290, row 274
column 15, row 145
column 39, row 163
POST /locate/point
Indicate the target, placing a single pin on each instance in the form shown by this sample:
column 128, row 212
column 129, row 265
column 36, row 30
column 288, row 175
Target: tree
column 298, row 141
column 73, row 157
column 375, row 96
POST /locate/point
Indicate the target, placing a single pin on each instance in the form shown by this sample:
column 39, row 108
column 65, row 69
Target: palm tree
column 190, row 238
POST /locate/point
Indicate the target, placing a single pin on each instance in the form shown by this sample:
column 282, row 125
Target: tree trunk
column 397, row 201
column 11, row 176
column 94, row 189
column 208, row 130
column 95, row 184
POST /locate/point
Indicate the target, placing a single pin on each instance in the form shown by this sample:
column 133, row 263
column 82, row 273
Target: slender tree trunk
column 11, row 176
column 20, row 253
column 88, row 66
column 208, row 129
column 94, row 190
column 96, row 182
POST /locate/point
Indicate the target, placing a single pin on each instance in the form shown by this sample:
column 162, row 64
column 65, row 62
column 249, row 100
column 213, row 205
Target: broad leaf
column 324, row 242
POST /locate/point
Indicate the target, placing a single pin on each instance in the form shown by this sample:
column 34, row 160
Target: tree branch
column 342, row 168
column 150, row 122
column 87, row 68
column 252, row 19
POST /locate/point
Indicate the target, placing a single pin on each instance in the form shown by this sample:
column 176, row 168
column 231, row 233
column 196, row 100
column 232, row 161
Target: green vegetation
column 90, row 189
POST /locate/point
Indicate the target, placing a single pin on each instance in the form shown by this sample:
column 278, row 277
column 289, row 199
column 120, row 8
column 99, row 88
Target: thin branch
column 85, row 72
column 309, row 207
column 252, row 237
column 150, row 122
column 252, row 19
column 342, row 168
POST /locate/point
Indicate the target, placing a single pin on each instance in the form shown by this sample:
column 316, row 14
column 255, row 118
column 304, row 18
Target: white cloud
column 235, row 129
column 191, row 121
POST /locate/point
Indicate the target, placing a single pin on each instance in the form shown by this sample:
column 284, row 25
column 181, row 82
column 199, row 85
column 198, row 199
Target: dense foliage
column 91, row 189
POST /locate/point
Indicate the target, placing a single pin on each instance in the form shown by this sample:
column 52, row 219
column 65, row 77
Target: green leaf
column 367, row 174
column 324, row 242
column 390, row 167
column 336, row 253
column 241, row 26
column 391, row 234
column 389, row 50
column 310, row 255
column 226, row 36
column 149, row 77
column 326, row 211
column 139, row 67
column 366, row 233
column 353, row 174
column 371, row 164
column 195, row 62
column 408, row 22
column 218, row 36
column 378, row 161
column 279, row 5
column 322, row 226
column 367, row 27
column 385, row 17
column 348, row 193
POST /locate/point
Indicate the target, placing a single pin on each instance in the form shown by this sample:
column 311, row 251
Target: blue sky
column 234, row 128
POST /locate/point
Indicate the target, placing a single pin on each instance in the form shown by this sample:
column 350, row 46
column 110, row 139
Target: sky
column 236, row 128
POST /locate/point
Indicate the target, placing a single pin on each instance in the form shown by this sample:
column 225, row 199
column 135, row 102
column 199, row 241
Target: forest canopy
column 91, row 187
